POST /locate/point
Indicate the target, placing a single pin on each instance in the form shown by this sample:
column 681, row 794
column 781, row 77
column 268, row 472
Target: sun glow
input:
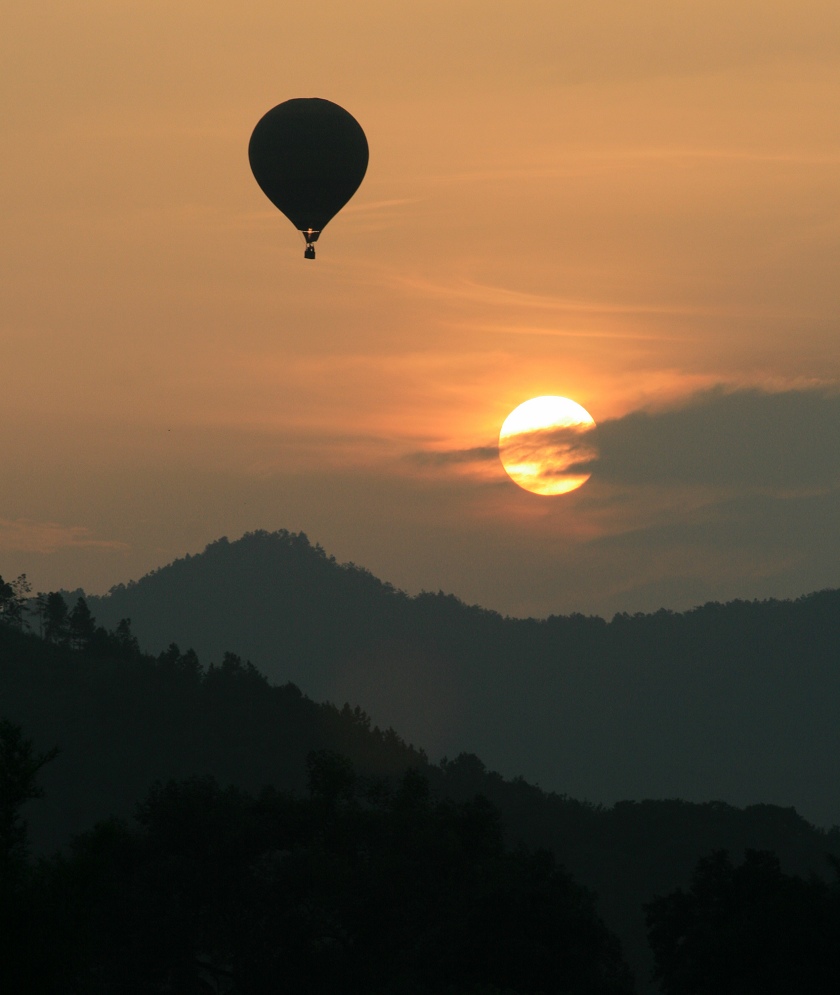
column 546, row 443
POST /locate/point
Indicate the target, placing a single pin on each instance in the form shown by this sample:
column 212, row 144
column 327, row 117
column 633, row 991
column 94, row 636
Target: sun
column 546, row 444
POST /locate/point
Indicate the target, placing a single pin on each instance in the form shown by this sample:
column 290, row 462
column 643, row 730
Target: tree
column 13, row 596
column 55, row 618
column 747, row 930
column 39, row 911
column 19, row 767
column 81, row 625
column 39, row 609
column 362, row 888
column 331, row 778
column 126, row 640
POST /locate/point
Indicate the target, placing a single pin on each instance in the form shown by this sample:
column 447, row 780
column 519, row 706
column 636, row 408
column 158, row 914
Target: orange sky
column 621, row 202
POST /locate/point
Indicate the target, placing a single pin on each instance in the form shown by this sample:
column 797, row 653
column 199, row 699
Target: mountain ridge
column 122, row 720
column 738, row 701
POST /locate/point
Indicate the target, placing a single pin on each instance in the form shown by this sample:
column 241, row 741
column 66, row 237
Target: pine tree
column 81, row 625
column 13, row 595
column 56, row 618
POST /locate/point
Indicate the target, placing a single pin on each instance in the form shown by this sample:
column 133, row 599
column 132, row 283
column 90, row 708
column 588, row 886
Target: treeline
column 123, row 720
column 747, row 929
column 369, row 888
column 61, row 625
column 359, row 887
column 738, row 701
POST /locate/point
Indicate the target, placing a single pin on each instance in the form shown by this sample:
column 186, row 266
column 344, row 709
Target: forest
column 174, row 826
column 737, row 701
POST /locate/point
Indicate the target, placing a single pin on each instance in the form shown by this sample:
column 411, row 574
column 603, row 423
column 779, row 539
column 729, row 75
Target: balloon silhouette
column 309, row 156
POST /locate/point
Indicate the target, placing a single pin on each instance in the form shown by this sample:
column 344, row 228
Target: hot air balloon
column 309, row 156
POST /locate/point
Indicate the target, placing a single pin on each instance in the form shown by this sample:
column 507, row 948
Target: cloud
column 784, row 441
column 733, row 494
column 472, row 292
column 748, row 546
column 458, row 457
column 26, row 536
column 780, row 442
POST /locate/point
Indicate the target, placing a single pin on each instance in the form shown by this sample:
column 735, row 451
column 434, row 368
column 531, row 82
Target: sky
column 631, row 203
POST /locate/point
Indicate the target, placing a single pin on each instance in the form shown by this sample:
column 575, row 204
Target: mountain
column 122, row 720
column 738, row 702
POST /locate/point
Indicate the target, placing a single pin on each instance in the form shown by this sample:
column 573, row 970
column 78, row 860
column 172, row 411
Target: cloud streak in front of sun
column 455, row 457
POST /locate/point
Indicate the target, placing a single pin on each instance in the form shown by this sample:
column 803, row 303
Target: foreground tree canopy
column 357, row 888
column 747, row 930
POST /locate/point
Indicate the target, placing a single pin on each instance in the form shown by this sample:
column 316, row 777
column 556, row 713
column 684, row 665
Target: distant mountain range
column 738, row 702
column 122, row 720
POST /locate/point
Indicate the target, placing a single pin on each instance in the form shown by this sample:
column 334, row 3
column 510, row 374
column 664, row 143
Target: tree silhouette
column 19, row 767
column 747, row 930
column 25, row 939
column 13, row 597
column 81, row 626
column 125, row 719
column 359, row 887
column 129, row 647
column 56, row 618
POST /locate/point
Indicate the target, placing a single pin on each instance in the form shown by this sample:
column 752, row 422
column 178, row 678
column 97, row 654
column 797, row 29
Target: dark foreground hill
column 738, row 701
column 122, row 721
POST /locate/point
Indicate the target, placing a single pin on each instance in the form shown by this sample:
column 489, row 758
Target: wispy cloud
column 521, row 328
column 454, row 457
column 378, row 206
column 26, row 536
column 568, row 161
column 480, row 293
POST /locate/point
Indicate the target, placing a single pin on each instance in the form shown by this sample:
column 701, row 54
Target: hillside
column 738, row 702
column 123, row 721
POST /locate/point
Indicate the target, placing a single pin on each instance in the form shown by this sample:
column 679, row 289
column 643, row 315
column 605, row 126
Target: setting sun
column 545, row 442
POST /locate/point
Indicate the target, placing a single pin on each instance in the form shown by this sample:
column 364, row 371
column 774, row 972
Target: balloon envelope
column 309, row 156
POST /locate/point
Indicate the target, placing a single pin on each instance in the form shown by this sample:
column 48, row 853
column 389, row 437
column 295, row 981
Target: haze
column 636, row 206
